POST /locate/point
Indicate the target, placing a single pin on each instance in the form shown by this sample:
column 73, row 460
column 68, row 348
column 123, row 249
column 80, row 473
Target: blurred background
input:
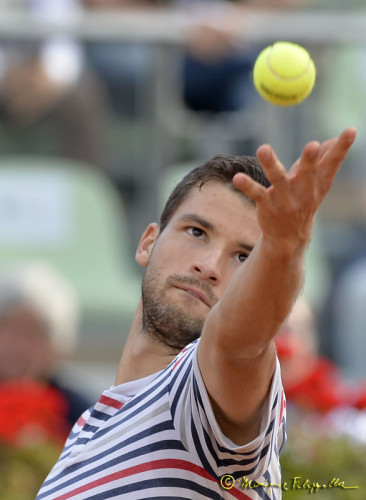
column 104, row 105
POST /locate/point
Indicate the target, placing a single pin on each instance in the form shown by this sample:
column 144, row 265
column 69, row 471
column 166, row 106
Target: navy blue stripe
column 265, row 451
column 284, row 436
column 275, row 402
column 262, row 492
column 99, row 415
column 73, row 434
column 145, row 450
column 161, row 497
column 67, row 449
column 242, row 463
column 125, row 418
column 270, row 426
column 187, row 360
column 144, row 393
column 226, row 462
column 104, row 416
column 161, row 427
column 256, row 459
column 241, row 453
column 205, row 463
column 178, row 390
column 90, row 428
column 168, row 482
column 188, row 350
column 207, row 438
column 219, row 460
column 127, row 407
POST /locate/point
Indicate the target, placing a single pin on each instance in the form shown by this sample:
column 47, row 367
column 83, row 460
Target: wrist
column 285, row 250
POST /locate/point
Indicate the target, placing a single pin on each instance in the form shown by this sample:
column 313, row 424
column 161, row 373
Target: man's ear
column 146, row 244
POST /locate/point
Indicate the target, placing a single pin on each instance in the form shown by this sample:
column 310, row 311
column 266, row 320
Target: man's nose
column 208, row 266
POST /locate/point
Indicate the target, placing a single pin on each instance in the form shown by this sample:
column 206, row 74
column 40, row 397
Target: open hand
column 286, row 209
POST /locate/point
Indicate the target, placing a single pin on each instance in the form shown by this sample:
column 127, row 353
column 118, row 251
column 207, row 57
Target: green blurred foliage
column 23, row 469
column 316, row 453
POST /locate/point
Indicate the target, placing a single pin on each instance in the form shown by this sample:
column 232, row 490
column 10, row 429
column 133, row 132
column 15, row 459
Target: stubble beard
column 168, row 323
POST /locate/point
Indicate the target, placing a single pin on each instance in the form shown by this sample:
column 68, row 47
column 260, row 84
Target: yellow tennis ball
column 284, row 73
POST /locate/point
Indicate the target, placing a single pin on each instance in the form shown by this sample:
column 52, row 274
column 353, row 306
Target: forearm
column 237, row 349
column 259, row 298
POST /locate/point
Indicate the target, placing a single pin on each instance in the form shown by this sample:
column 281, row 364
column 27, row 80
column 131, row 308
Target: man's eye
column 195, row 231
column 242, row 257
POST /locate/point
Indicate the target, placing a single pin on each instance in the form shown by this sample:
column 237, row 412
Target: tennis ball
column 284, row 73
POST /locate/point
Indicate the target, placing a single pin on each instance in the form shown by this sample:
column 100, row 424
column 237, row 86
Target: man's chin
column 174, row 327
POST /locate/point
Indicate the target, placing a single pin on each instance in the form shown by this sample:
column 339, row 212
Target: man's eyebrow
column 209, row 226
column 245, row 246
column 196, row 218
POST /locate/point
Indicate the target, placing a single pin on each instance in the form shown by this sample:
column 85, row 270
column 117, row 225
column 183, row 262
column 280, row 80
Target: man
column 198, row 408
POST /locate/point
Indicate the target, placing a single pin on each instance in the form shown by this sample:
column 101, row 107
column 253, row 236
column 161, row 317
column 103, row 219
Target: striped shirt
column 157, row 438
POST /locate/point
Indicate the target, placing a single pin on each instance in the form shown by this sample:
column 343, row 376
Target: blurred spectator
column 312, row 382
column 38, row 331
column 48, row 100
column 217, row 69
column 123, row 67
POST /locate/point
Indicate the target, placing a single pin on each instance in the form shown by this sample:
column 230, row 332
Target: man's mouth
column 193, row 287
column 196, row 293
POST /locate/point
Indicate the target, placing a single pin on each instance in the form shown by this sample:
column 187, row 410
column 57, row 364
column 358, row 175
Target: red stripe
column 157, row 464
column 81, row 421
column 283, row 405
column 180, row 360
column 105, row 400
column 238, row 494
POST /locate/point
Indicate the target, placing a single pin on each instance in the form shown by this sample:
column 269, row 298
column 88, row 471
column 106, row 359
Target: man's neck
column 142, row 355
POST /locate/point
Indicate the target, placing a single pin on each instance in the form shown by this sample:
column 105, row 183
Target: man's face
column 191, row 262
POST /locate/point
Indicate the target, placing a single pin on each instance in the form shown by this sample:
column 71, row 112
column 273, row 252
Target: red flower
column 360, row 399
column 30, row 411
column 321, row 390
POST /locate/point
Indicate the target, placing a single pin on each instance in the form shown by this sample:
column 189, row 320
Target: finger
column 295, row 167
column 336, row 152
column 349, row 135
column 274, row 170
column 325, row 146
column 333, row 159
column 345, row 141
column 307, row 163
column 249, row 187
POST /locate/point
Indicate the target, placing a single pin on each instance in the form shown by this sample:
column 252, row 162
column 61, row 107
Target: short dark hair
column 221, row 168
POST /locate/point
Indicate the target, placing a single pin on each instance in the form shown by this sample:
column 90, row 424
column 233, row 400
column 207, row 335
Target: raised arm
column 236, row 353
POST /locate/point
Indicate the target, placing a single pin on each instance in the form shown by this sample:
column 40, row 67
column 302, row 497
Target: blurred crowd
column 60, row 95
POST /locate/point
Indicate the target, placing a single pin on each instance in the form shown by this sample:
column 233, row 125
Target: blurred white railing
column 172, row 26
